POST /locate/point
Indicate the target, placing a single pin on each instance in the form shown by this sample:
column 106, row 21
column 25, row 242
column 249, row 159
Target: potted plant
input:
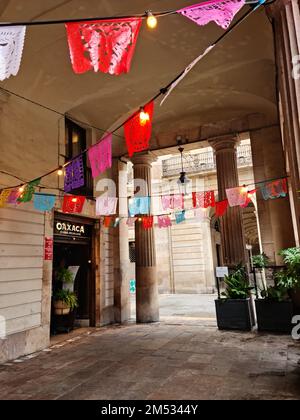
column 235, row 309
column 64, row 276
column 289, row 277
column 64, row 299
column 64, row 302
column 260, row 261
column 274, row 310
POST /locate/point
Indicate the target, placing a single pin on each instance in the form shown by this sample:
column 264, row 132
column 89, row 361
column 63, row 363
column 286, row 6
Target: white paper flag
column 11, row 48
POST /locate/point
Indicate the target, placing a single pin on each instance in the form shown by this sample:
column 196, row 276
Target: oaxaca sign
column 69, row 229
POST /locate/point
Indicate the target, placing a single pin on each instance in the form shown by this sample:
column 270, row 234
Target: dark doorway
column 77, row 255
column 73, row 251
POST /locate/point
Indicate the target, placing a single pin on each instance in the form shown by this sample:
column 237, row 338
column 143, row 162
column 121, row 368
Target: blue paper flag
column 180, row 217
column 139, row 205
column 44, row 202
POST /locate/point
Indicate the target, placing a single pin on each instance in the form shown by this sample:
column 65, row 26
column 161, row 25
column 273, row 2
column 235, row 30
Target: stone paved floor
column 159, row 361
column 192, row 308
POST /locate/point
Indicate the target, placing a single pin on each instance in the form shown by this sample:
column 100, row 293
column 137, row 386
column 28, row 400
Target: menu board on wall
column 48, row 254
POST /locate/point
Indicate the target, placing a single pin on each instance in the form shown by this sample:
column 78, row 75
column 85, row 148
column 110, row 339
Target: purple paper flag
column 14, row 196
column 100, row 156
column 74, row 177
column 221, row 12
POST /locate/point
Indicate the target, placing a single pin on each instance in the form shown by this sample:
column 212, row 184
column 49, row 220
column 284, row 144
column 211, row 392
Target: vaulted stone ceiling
column 233, row 81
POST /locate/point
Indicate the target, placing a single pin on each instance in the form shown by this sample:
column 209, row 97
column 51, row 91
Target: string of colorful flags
column 139, row 208
column 108, row 45
column 138, row 127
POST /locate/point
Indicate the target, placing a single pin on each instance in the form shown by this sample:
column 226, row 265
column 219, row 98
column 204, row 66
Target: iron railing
column 204, row 162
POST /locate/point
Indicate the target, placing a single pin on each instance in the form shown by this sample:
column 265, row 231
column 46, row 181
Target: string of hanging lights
column 150, row 17
column 144, row 115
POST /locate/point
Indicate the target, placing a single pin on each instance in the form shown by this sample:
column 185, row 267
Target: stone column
column 286, row 22
column 147, row 304
column 210, row 279
column 275, row 219
column 121, row 247
column 233, row 241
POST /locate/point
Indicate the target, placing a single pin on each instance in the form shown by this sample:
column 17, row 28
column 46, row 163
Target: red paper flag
column 249, row 199
column 107, row 45
column 204, row 199
column 137, row 132
column 148, row 222
column 73, row 204
column 107, row 221
column 221, row 208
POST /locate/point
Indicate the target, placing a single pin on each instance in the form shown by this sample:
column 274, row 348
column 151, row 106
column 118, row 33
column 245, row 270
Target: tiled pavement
column 159, row 361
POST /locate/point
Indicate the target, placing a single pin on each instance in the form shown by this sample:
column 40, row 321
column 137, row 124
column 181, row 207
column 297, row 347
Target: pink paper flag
column 131, row 221
column 164, row 222
column 106, row 206
column 173, row 202
column 221, row 12
column 237, row 196
column 100, row 156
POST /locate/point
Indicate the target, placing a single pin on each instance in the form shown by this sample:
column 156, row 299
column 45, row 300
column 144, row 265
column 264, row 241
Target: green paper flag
column 27, row 195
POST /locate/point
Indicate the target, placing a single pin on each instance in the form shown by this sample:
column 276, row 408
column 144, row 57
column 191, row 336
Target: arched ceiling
column 236, row 79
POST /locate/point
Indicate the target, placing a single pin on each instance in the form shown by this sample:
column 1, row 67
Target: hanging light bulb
column 74, row 200
column 60, row 171
column 151, row 20
column 21, row 189
column 144, row 117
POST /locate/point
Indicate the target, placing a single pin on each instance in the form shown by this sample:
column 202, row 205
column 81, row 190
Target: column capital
column 223, row 143
column 143, row 159
column 274, row 9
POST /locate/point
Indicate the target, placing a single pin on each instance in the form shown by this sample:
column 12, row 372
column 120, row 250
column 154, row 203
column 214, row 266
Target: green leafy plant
column 69, row 298
column 237, row 285
column 275, row 294
column 260, row 261
column 64, row 275
column 289, row 277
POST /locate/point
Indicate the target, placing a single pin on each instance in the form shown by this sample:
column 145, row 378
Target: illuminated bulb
column 144, row 117
column 151, row 21
column 244, row 189
column 60, row 172
column 140, row 219
column 21, row 189
column 74, row 200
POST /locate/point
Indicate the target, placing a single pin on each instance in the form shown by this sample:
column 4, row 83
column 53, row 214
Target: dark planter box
column 235, row 314
column 274, row 316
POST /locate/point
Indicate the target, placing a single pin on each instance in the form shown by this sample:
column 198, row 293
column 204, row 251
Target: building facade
column 248, row 86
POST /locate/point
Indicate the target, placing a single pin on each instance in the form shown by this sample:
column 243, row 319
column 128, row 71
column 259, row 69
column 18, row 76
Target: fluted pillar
column 147, row 304
column 275, row 218
column 233, row 242
column 286, row 23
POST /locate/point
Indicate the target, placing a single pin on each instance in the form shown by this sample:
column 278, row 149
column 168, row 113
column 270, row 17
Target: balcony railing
column 203, row 162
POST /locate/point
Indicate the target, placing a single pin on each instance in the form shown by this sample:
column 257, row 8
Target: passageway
column 195, row 309
column 157, row 362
